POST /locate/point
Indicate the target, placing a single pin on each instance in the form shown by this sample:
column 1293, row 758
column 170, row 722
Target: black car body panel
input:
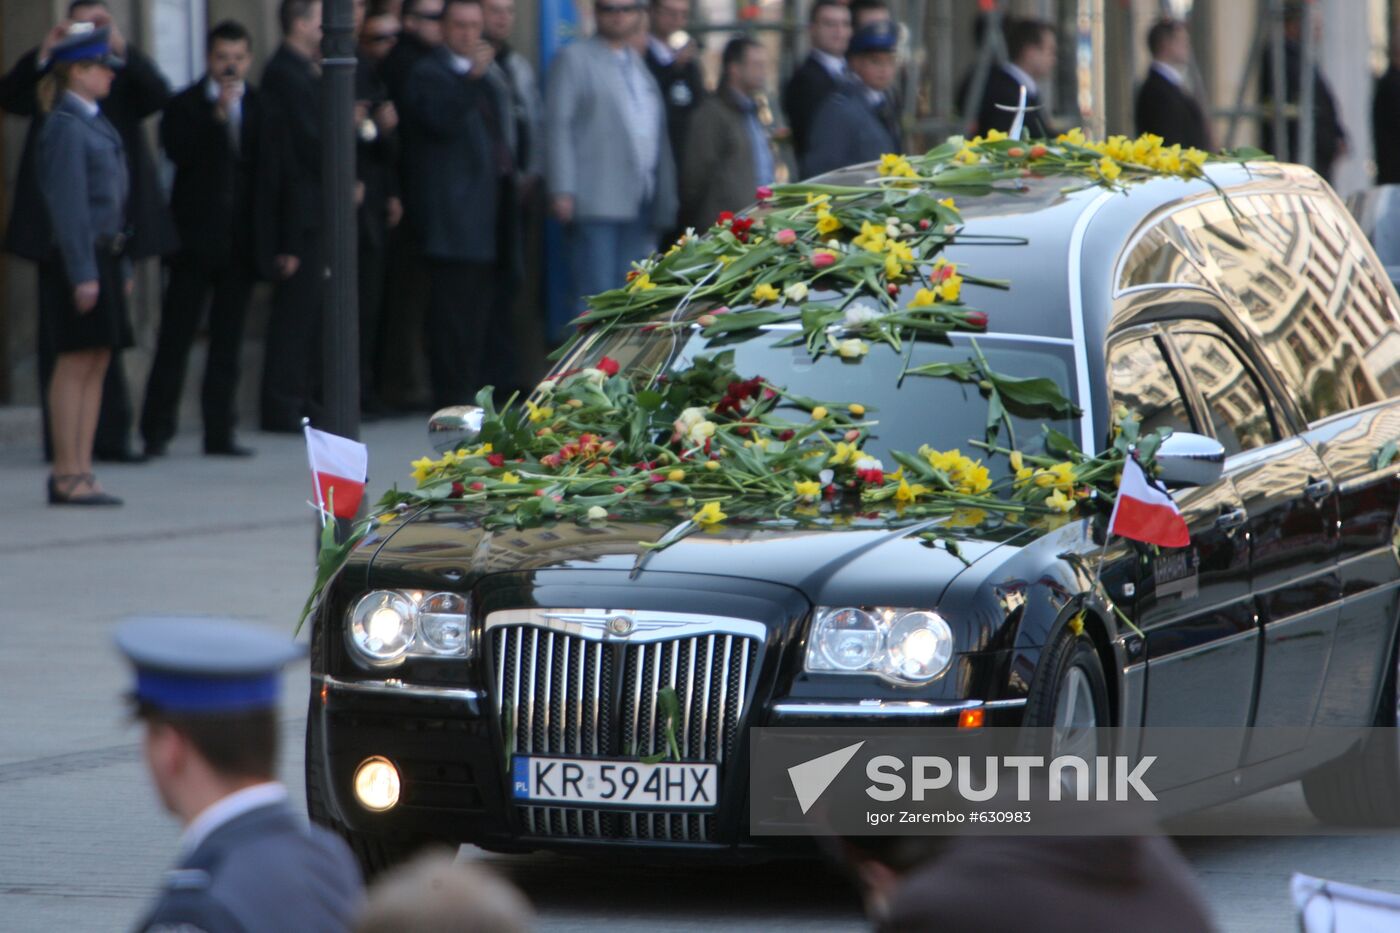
column 1283, row 612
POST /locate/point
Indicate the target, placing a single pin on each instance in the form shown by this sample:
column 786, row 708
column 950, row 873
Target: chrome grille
column 565, row 686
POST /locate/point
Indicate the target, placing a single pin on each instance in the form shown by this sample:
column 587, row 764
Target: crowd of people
column 461, row 153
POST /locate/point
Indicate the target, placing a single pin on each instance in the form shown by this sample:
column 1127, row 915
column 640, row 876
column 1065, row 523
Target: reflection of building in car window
column 1141, row 381
column 1238, row 411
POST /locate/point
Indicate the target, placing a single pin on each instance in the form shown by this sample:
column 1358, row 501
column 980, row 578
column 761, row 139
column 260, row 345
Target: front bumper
column 454, row 783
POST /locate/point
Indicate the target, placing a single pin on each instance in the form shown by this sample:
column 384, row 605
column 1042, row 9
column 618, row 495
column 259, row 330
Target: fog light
column 377, row 784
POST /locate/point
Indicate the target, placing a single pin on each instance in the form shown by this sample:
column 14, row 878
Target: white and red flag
column 1145, row 512
column 337, row 464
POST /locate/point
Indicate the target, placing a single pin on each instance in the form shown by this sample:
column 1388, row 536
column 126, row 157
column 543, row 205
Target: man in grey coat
column 611, row 174
column 207, row 693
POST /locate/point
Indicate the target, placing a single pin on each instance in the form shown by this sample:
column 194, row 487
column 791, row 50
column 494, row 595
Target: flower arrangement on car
column 724, row 446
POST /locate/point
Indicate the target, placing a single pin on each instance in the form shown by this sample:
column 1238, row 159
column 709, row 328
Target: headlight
column 907, row 646
column 386, row 626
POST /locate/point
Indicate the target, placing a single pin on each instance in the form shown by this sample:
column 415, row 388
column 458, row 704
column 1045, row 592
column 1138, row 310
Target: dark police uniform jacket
column 264, row 870
column 83, row 179
column 849, row 129
column 138, row 91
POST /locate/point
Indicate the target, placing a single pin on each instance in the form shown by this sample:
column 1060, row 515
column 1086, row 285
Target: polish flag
column 340, row 464
column 1144, row 511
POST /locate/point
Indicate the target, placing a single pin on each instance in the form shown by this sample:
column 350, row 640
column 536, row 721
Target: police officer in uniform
column 206, row 691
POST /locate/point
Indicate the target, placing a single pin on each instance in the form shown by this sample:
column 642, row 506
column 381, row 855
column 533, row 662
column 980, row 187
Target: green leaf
column 1033, row 392
column 1059, row 444
column 748, row 320
column 649, row 399
column 920, row 467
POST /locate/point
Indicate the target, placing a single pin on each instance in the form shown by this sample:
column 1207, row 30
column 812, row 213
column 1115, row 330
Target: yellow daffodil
column 387, row 517
column 808, row 490
column 872, row 237
column 966, row 475
column 712, row 465
column 967, row 157
column 642, row 283
column 896, row 166
column 906, row 493
column 538, row 413
column 996, row 136
column 1060, row 502
column 857, row 410
column 1076, row 624
column 827, row 222
column 423, row 467
column 725, row 260
column 1059, row 476
column 1109, row 170
column 819, row 413
column 766, row 292
column 844, row 453
column 1074, row 137
column 949, row 203
column 1194, row 157
column 924, row 298
column 710, row 514
column 676, row 476
column 510, row 479
column 818, row 199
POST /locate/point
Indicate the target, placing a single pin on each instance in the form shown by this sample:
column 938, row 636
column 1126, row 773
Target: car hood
column 839, row 558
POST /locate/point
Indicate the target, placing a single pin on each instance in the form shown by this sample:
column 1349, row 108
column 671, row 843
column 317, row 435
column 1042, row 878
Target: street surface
column 85, row 840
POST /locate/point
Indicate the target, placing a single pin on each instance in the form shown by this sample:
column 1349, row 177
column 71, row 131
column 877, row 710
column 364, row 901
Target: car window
column 1141, row 380
column 1238, row 408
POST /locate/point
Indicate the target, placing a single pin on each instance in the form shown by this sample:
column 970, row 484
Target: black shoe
column 227, row 449
column 119, row 456
column 157, row 449
column 69, row 482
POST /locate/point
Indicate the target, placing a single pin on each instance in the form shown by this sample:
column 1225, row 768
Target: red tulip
column 763, row 193
column 496, row 460
column 609, row 366
column 977, row 318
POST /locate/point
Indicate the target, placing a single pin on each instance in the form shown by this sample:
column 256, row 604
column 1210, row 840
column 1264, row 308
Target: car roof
column 1025, row 237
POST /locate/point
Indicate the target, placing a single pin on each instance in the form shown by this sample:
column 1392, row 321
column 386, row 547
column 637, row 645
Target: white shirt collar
column 1169, row 72
column 1022, row 78
column 660, row 50
column 835, row 65
column 89, row 107
column 228, row 809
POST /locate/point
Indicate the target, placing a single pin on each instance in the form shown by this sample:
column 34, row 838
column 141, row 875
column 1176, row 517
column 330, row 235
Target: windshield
column 941, row 412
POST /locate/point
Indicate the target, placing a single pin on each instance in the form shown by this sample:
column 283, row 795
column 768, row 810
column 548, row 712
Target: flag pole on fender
column 339, row 471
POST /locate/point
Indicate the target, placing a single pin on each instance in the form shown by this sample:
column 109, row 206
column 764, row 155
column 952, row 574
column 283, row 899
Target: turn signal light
column 971, row 718
column 377, row 784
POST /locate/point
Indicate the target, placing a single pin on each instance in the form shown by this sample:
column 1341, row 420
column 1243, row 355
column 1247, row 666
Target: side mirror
column 454, row 426
column 1187, row 459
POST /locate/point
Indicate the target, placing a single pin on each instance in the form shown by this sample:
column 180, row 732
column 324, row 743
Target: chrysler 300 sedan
column 1243, row 313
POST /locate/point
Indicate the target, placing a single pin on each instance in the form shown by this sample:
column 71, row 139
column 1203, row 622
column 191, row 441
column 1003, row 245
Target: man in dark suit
column 138, row 91
column 1329, row 136
column 206, row 693
column 821, row 72
column 288, row 218
column 210, row 133
column 458, row 167
column 1031, row 54
column 422, row 32
column 377, row 171
column 1165, row 105
column 858, row 123
column 1385, row 120
column 675, row 67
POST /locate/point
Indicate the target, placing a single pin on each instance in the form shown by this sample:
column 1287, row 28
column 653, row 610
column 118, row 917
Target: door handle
column 1318, row 489
column 1231, row 520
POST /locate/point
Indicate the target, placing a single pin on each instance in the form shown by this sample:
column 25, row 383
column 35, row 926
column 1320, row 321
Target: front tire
column 1362, row 788
column 1069, row 701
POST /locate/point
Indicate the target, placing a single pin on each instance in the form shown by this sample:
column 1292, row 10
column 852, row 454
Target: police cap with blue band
column 86, row 43
column 205, row 666
column 879, row 36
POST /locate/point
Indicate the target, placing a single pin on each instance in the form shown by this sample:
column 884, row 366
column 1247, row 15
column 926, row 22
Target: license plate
column 619, row 783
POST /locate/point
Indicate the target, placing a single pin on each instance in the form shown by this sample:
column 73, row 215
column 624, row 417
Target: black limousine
column 1245, row 312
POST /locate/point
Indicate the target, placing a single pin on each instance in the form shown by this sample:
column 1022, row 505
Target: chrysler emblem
column 621, row 625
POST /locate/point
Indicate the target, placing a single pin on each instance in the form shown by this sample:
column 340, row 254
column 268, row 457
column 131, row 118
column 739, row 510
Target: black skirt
column 106, row 325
